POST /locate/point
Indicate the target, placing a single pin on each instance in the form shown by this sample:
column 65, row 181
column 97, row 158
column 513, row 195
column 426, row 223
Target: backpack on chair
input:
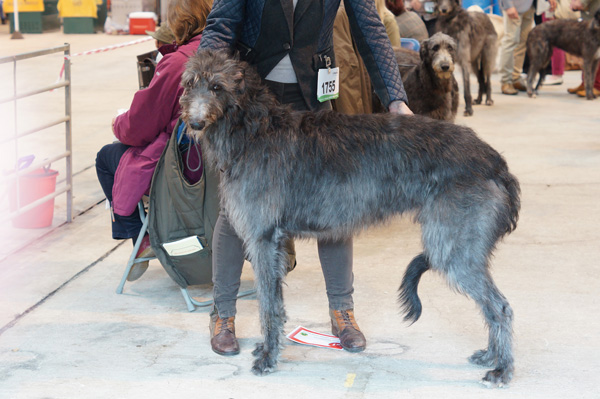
column 183, row 216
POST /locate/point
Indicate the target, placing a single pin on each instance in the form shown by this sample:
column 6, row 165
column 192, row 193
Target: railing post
column 16, row 125
column 69, row 141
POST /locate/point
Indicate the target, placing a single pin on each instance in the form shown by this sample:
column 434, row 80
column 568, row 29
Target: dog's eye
column 436, row 47
column 216, row 87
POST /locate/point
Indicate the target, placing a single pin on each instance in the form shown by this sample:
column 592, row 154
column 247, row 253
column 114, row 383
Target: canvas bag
column 182, row 211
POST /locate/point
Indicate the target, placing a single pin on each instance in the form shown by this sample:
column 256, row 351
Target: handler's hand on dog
column 400, row 107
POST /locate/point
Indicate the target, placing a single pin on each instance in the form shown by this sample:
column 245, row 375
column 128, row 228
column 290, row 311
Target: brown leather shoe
column 519, row 85
column 343, row 325
column 574, row 90
column 508, row 88
column 222, row 333
column 581, row 93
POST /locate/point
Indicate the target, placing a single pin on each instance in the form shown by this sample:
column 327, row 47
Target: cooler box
column 140, row 22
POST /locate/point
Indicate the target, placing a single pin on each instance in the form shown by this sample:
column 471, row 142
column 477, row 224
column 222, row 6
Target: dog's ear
column 424, row 49
column 240, row 81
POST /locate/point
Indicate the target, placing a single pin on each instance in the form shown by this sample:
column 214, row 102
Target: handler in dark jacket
column 290, row 42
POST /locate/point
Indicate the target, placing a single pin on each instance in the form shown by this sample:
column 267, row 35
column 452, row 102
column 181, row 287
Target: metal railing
column 67, row 154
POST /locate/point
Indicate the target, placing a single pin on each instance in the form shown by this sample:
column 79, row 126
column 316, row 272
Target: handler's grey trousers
column 228, row 251
column 228, row 259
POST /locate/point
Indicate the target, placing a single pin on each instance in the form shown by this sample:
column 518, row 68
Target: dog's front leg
column 269, row 265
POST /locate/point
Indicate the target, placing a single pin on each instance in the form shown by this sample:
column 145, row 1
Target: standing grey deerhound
column 578, row 38
column 327, row 175
column 476, row 38
column 430, row 86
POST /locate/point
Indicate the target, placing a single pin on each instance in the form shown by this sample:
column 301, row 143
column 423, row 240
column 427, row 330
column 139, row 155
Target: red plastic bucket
column 33, row 186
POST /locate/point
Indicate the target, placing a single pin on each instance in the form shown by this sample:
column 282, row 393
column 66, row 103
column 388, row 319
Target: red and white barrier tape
column 102, row 50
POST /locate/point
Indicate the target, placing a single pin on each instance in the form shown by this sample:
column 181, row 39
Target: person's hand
column 553, row 5
column 416, row 5
column 576, row 5
column 512, row 13
column 400, row 107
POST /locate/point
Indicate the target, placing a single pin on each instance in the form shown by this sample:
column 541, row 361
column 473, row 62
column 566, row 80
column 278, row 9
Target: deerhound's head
column 448, row 7
column 214, row 83
column 439, row 52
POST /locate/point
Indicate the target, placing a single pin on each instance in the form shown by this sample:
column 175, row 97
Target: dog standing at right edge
column 580, row 38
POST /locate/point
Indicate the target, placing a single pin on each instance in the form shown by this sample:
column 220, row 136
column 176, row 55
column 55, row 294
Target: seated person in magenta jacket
column 125, row 168
column 288, row 41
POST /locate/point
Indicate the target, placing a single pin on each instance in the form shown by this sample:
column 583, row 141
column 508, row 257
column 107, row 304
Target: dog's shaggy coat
column 578, row 38
column 326, row 175
column 477, row 47
column 431, row 87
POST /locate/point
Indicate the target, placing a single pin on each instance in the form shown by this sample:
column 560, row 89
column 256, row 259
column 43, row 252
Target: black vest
column 295, row 32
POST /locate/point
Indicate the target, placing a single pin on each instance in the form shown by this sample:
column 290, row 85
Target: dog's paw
column 468, row 112
column 477, row 101
column 489, row 101
column 483, row 358
column 497, row 378
column 264, row 363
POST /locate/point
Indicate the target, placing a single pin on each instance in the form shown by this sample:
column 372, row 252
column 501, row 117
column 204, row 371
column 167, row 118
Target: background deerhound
column 327, row 175
column 430, row 86
column 477, row 46
column 578, row 38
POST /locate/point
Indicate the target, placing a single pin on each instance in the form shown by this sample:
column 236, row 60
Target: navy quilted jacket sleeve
column 375, row 50
column 223, row 24
column 233, row 19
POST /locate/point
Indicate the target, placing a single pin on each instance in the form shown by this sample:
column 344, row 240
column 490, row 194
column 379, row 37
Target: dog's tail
column 408, row 297
column 511, row 185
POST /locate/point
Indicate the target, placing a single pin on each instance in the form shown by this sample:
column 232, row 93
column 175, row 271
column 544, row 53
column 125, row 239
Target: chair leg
column 193, row 303
column 136, row 247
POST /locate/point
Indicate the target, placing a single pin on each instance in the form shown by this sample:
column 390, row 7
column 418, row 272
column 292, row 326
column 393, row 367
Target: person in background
column 518, row 22
column 557, row 61
column 2, row 14
column 588, row 8
column 163, row 36
column 355, row 86
column 289, row 41
column 125, row 168
column 427, row 10
column 409, row 23
column 391, row 27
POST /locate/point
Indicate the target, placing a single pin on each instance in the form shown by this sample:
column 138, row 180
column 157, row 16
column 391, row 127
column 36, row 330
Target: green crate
column 29, row 22
column 78, row 25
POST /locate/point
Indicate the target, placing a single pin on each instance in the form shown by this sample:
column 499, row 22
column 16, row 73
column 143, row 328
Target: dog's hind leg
column 477, row 68
column 269, row 261
column 460, row 230
column 488, row 61
column 589, row 72
column 466, row 73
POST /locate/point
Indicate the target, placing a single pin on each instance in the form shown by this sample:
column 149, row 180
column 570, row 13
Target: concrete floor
column 65, row 333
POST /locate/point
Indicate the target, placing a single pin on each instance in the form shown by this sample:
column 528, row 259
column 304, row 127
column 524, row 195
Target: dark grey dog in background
column 326, row 175
column 580, row 38
column 476, row 38
column 430, row 86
